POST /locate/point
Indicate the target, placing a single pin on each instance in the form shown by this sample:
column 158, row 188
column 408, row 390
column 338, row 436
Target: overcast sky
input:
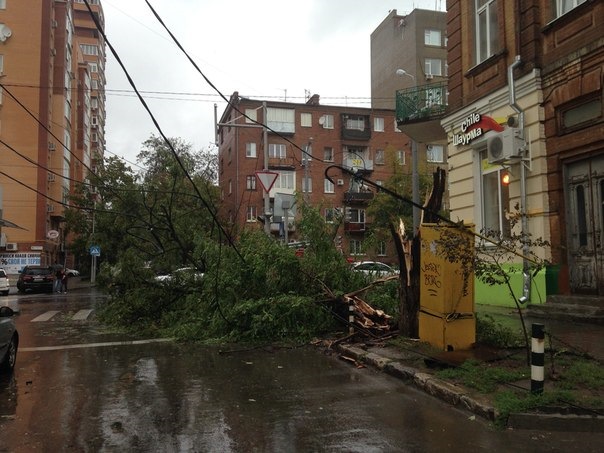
column 264, row 49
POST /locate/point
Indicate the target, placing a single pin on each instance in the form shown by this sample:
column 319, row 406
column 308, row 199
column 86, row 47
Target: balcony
column 356, row 127
column 358, row 197
column 358, row 164
column 419, row 111
column 355, row 227
column 281, row 163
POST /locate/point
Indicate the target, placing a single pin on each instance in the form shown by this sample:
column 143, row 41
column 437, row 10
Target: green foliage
column 508, row 402
column 489, row 332
column 580, row 373
column 482, row 376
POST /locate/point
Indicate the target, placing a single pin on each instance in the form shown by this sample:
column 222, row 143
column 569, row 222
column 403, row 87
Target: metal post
column 537, row 358
column 415, row 187
column 267, row 201
column 93, row 257
column 350, row 316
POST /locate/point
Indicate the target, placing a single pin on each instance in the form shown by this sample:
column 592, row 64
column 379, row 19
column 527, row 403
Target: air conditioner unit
column 505, row 145
column 340, row 182
column 429, row 76
column 11, row 247
column 51, row 177
column 55, row 24
column 51, row 146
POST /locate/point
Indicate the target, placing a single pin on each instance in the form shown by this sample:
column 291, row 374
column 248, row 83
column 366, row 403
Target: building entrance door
column 585, row 201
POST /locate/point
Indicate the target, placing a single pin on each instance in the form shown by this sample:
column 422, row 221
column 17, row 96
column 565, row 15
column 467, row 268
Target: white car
column 4, row 283
column 181, row 274
column 72, row 272
column 374, row 269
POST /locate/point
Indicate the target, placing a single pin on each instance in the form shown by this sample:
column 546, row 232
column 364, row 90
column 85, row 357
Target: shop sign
column 474, row 126
column 14, row 262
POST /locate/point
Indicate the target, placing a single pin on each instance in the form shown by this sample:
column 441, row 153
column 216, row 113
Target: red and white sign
column 267, row 179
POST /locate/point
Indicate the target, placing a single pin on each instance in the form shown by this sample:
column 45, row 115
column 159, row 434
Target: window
column 93, row 67
column 432, row 37
column 495, row 200
column 356, row 247
column 396, row 129
column 326, row 121
column 89, row 49
column 306, row 184
column 306, row 119
column 434, row 153
column 230, row 186
column 355, row 215
column 328, row 154
column 379, row 157
column 355, row 123
column 95, row 84
column 400, row 157
column 330, row 214
column 251, row 115
column 307, row 154
column 328, row 186
column 285, row 180
column 378, row 124
column 250, row 150
column 582, row 115
column 433, row 66
column 2, row 4
column 486, row 29
column 276, row 151
column 250, row 215
column 281, row 120
column 564, row 6
column 250, row 182
column 381, row 248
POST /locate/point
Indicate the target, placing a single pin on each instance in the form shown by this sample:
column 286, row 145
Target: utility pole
column 267, row 200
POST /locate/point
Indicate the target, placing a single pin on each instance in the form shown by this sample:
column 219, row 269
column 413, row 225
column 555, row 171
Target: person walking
column 58, row 279
column 64, row 278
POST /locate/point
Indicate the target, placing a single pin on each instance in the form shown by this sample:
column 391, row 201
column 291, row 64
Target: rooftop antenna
column 306, row 94
column 284, row 94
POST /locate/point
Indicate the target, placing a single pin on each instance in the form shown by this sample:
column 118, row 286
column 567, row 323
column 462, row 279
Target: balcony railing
column 358, row 197
column 281, row 162
column 355, row 227
column 421, row 103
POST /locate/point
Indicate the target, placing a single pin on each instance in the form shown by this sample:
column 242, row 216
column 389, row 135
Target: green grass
column 482, row 377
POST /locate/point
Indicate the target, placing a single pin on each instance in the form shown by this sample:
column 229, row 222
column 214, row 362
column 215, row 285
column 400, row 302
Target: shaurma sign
column 474, row 126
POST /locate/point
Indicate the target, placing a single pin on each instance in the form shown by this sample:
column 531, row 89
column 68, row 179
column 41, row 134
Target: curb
column 459, row 397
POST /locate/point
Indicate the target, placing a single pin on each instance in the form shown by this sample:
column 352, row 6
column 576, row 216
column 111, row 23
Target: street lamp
column 402, row 72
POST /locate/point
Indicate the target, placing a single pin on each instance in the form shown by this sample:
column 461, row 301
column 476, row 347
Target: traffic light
column 505, row 178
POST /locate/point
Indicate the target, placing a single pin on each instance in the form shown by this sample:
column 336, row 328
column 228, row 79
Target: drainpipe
column 526, row 275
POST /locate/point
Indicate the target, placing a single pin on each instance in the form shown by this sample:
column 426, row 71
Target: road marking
column 95, row 345
column 81, row 315
column 45, row 317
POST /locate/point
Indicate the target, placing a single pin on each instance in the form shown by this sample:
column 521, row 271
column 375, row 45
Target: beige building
column 52, row 120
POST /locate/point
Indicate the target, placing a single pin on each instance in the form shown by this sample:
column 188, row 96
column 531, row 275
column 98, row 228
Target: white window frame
column 327, row 121
column 400, row 156
column 378, row 124
column 380, row 157
column 2, row 4
column 250, row 150
column 285, row 181
column 487, row 29
column 251, row 113
column 356, row 247
column 355, row 123
column 250, row 182
column 432, row 37
column 494, row 197
column 281, row 120
column 277, row 151
column 433, row 66
column 435, row 153
column 306, row 119
column 564, row 6
column 250, row 214
column 381, row 248
column 306, row 184
column 328, row 186
column 328, row 155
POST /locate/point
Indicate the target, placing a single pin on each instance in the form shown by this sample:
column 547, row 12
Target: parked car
column 374, row 269
column 36, row 278
column 9, row 340
column 4, row 283
column 183, row 274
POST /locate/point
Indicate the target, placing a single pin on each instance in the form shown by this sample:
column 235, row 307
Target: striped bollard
column 350, row 316
column 537, row 358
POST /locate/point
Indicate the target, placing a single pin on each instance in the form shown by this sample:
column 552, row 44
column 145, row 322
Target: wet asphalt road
column 78, row 387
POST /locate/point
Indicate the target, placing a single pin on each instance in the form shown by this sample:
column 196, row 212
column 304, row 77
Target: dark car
column 36, row 278
column 9, row 340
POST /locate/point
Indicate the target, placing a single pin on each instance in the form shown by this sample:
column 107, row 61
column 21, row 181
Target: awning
column 9, row 224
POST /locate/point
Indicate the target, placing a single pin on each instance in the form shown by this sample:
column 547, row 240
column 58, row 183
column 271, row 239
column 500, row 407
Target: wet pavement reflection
column 92, row 394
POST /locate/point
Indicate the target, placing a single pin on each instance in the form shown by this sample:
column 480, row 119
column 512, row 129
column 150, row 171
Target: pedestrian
column 58, row 277
column 64, row 281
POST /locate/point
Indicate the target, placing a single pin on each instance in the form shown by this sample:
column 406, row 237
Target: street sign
column 95, row 250
column 267, row 179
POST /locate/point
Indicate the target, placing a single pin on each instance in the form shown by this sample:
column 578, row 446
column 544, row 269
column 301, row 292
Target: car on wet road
column 36, row 278
column 9, row 340
column 4, row 283
column 374, row 269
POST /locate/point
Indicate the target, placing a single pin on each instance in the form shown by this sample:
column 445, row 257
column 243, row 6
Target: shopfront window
column 495, row 200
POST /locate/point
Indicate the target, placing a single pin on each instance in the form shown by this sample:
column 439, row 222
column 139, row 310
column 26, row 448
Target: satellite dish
column 322, row 120
column 52, row 234
column 7, row 32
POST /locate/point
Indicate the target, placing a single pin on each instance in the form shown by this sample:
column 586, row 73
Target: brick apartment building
column 529, row 76
column 52, row 120
column 302, row 141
